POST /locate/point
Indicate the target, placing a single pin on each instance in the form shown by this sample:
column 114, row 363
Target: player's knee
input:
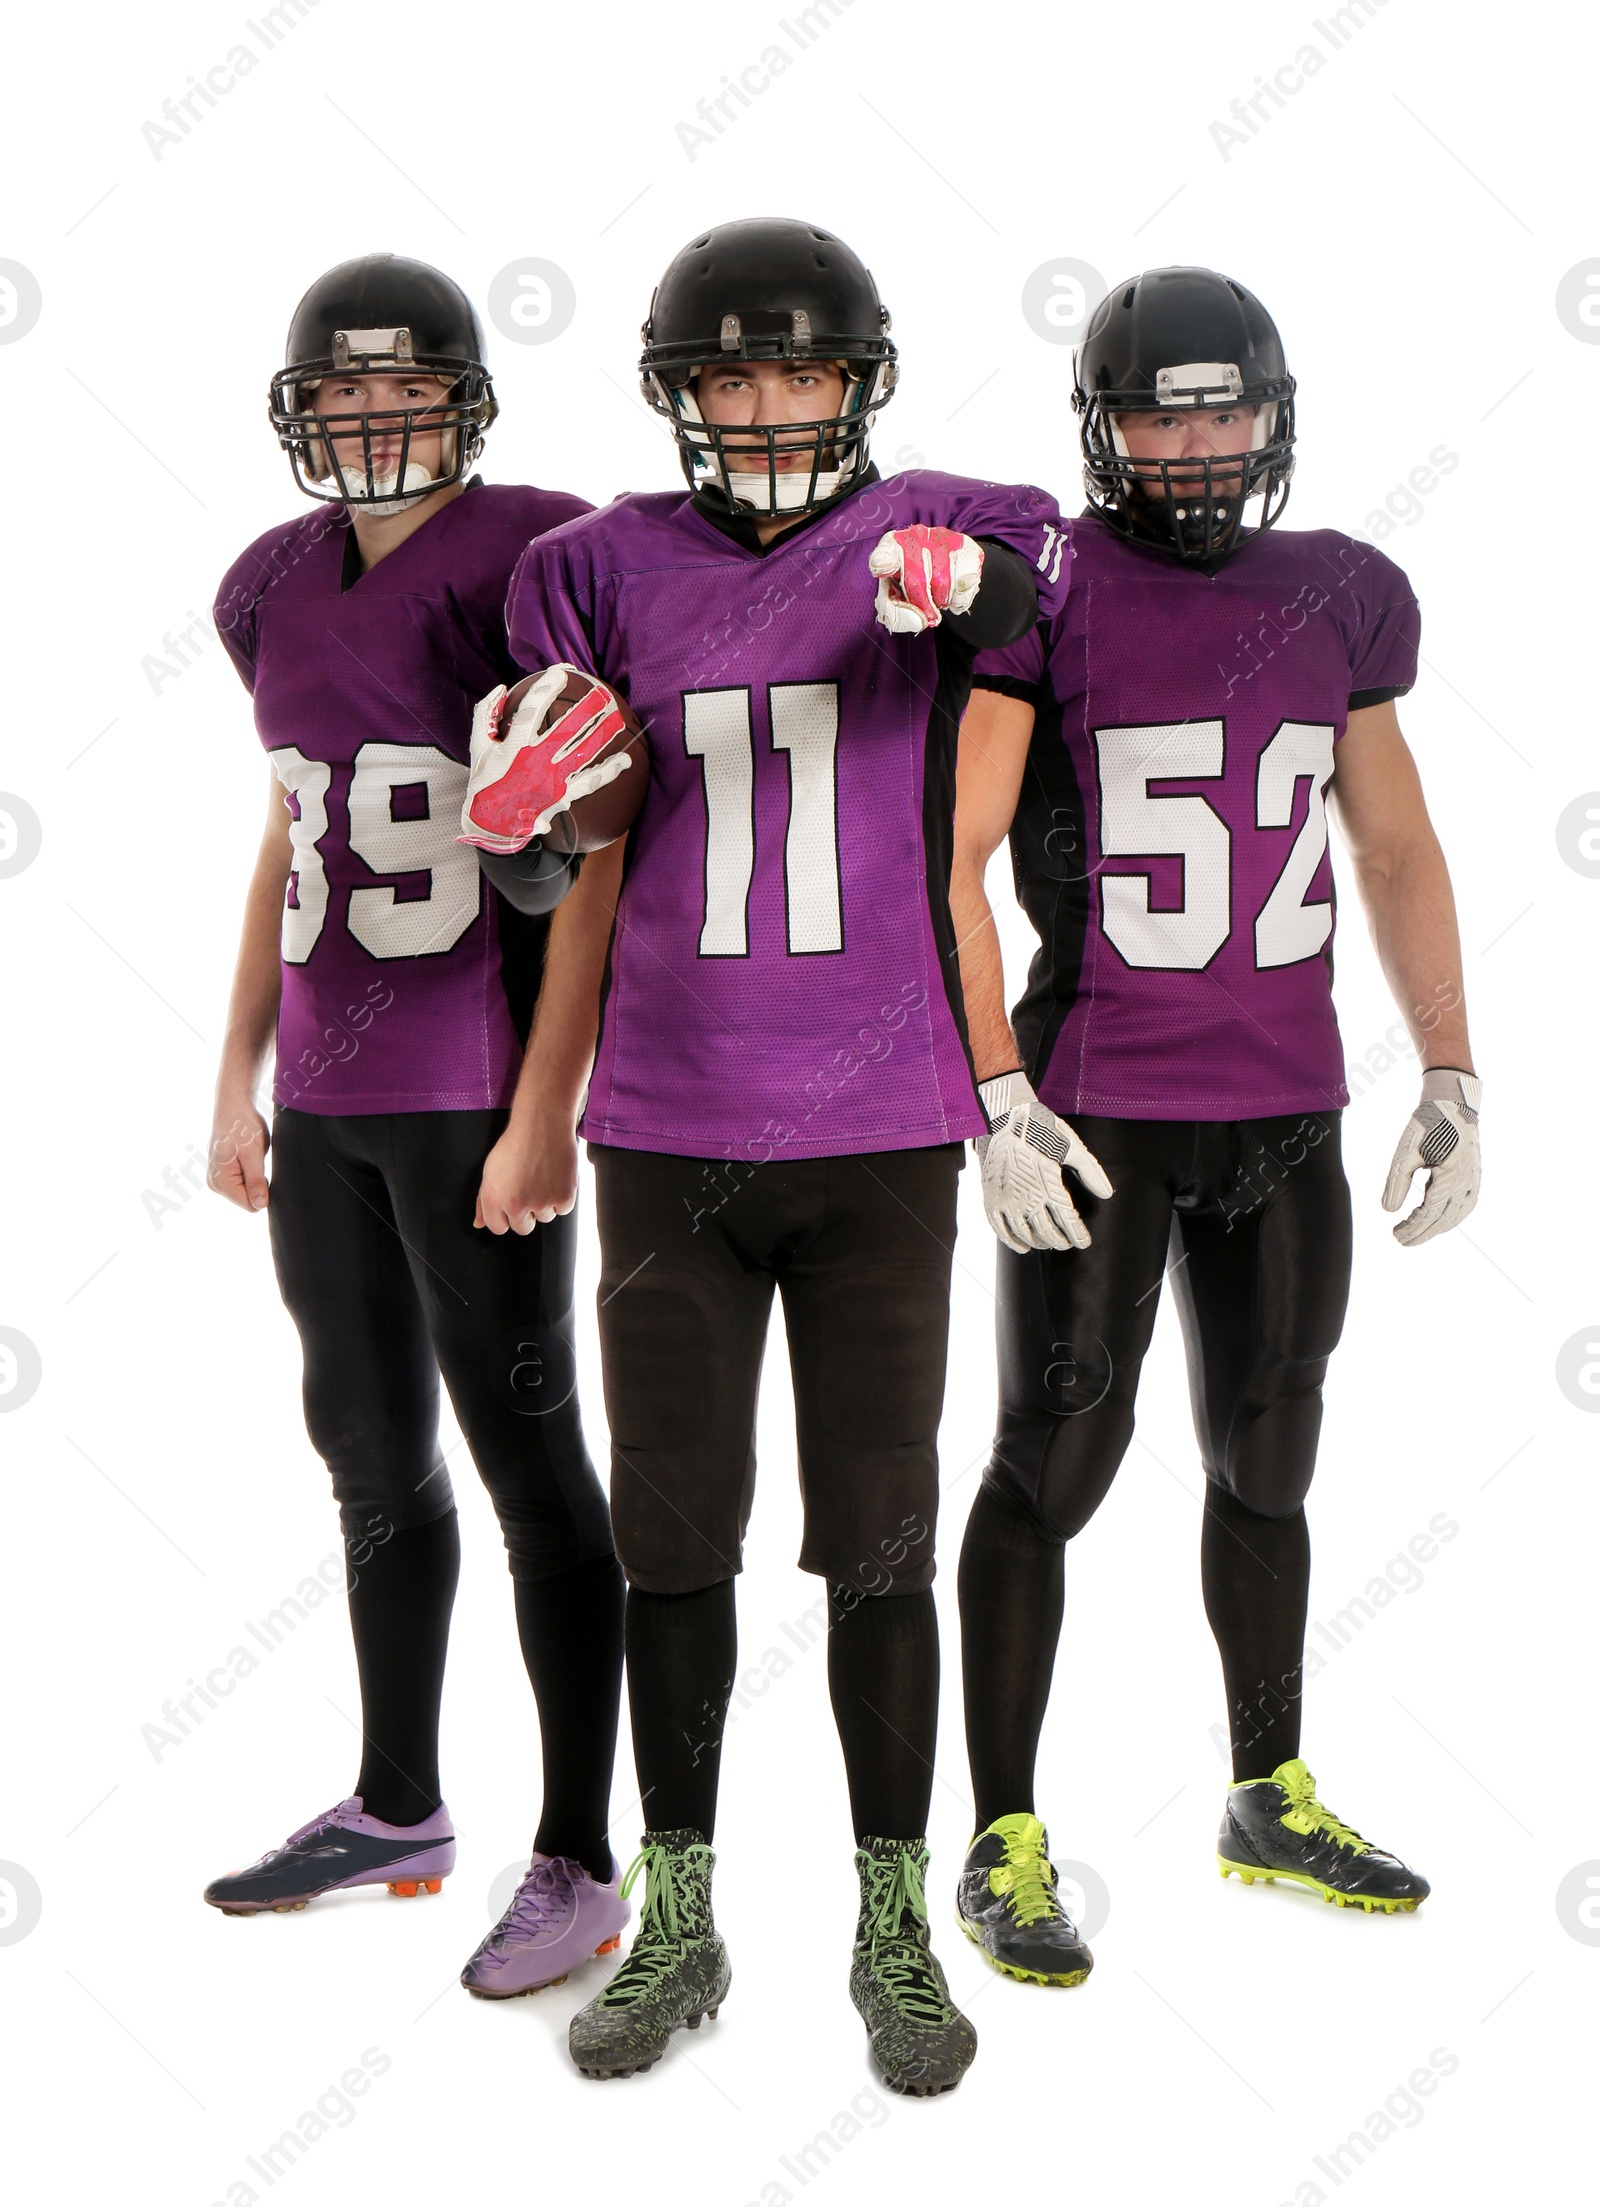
column 1003, row 1519
column 397, row 1488
column 649, row 1573
column 551, row 1532
column 1270, row 1465
column 1080, row 1462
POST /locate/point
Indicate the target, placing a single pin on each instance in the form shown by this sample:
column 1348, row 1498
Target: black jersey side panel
column 950, row 697
column 1049, row 865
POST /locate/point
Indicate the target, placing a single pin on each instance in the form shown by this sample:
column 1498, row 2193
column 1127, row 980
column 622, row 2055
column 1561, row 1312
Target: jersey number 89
column 382, row 923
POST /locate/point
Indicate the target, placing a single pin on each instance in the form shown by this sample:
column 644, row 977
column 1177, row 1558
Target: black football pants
column 389, row 1284
column 859, row 1249
column 1250, row 1221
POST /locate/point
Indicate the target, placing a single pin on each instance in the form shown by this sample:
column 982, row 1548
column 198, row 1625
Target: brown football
column 608, row 813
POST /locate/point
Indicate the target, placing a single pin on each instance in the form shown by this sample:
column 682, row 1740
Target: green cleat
column 1008, row 1906
column 918, row 2037
column 676, row 1972
column 1277, row 1828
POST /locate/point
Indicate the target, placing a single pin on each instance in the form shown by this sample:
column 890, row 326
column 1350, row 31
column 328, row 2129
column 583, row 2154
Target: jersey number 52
column 1136, row 824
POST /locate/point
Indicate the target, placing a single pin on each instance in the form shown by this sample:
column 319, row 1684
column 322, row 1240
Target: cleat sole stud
column 610, row 1946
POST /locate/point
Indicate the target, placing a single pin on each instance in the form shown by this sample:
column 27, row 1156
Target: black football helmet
column 387, row 315
column 768, row 289
column 1170, row 338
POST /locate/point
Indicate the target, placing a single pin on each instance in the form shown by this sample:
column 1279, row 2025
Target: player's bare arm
column 1022, row 1155
column 1404, row 882
column 238, row 1154
column 1411, row 913
column 531, row 1174
column 995, row 733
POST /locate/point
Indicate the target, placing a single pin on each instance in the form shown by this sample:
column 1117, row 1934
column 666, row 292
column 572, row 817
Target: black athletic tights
column 883, row 1677
column 388, row 1283
column 1252, row 1222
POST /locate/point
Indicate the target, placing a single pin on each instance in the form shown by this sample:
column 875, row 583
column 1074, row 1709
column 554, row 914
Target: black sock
column 1011, row 1584
column 401, row 1594
column 883, row 1677
column 570, row 1627
column 1256, row 1572
column 682, row 1651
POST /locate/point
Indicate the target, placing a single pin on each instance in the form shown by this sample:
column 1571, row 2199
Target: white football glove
column 924, row 573
column 1021, row 1158
column 523, row 774
column 1441, row 1139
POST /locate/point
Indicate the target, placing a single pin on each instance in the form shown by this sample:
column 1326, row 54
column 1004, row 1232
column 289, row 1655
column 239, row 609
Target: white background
column 1407, row 215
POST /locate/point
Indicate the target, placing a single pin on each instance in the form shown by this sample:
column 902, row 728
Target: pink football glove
column 924, row 573
column 523, row 775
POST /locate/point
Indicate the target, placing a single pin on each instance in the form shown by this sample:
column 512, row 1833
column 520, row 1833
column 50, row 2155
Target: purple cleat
column 339, row 1849
column 560, row 1917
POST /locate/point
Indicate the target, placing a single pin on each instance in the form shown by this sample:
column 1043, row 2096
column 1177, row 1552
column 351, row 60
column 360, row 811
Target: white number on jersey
column 1288, row 929
column 420, row 927
column 305, row 780
column 1134, row 824
column 717, row 731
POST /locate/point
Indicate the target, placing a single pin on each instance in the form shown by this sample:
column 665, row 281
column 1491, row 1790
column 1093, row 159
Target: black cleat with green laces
column 676, row 1971
column 918, row 2037
column 1277, row 1828
column 1008, row 1905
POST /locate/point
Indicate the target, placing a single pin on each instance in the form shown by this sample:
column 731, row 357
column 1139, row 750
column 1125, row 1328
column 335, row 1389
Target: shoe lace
column 899, row 1954
column 1306, row 1814
column 335, row 1819
column 1028, row 1876
column 668, row 1918
column 541, row 1901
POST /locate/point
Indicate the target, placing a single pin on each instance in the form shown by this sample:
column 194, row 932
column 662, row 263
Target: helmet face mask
column 351, row 456
column 423, row 329
column 775, row 290
column 1172, row 340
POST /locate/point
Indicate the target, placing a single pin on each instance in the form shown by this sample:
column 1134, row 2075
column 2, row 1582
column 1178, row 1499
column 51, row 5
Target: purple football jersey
column 1171, row 843
column 782, row 976
column 395, row 964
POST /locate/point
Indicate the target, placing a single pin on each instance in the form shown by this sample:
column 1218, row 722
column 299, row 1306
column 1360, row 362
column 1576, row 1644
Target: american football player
column 396, row 986
column 1163, row 754
column 782, row 1088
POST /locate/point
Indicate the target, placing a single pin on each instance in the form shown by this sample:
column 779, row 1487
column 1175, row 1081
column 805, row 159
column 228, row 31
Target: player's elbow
column 1007, row 604
column 534, row 880
column 969, row 860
